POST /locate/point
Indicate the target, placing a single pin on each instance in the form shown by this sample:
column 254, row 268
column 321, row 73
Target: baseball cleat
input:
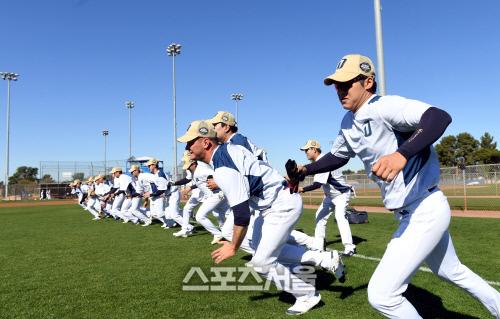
column 216, row 240
column 304, row 304
column 349, row 251
column 182, row 233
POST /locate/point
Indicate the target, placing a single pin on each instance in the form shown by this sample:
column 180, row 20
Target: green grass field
column 57, row 263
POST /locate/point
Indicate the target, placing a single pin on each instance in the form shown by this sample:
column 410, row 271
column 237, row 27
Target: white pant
column 117, row 205
column 212, row 203
column 92, row 203
column 157, row 208
column 271, row 230
column 192, row 202
column 134, row 210
column 339, row 203
column 126, row 210
column 173, row 211
column 423, row 235
column 292, row 254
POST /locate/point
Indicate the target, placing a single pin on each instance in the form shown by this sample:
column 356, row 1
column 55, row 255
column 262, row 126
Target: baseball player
column 135, row 191
column 227, row 132
column 393, row 137
column 82, row 192
column 247, row 182
column 158, row 186
column 117, row 192
column 193, row 201
column 92, row 200
column 101, row 189
column 172, row 204
column 337, row 194
column 211, row 201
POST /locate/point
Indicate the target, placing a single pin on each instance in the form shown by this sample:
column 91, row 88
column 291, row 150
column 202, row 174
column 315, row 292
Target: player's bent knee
column 381, row 299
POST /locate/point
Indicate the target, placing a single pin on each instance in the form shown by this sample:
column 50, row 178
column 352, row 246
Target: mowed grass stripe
column 57, row 263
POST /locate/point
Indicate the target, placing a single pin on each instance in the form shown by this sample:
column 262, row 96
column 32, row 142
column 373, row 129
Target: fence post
column 496, row 184
column 465, row 191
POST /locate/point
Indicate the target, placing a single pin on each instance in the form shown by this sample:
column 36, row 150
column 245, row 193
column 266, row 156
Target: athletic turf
column 57, row 263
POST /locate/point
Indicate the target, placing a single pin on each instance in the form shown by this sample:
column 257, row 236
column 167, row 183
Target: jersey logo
column 367, row 128
column 341, row 63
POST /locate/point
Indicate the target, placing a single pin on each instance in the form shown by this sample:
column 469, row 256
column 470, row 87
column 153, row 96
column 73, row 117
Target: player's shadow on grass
column 328, row 282
column 323, row 283
column 282, row 296
column 430, row 306
column 355, row 240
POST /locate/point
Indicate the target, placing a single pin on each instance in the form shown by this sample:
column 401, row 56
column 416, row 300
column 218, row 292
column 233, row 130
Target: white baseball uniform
column 243, row 178
column 337, row 195
column 378, row 128
column 193, row 201
column 211, row 200
column 120, row 183
column 138, row 188
column 93, row 202
column 158, row 185
column 82, row 196
column 100, row 190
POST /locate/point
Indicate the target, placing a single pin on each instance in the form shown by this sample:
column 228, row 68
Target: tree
column 361, row 171
column 446, row 149
column 467, row 146
column 487, row 156
column 24, row 175
column 79, row 176
column 47, row 179
column 487, row 142
column 347, row 172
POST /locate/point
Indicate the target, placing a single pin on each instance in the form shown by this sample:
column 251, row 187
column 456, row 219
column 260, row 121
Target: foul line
column 424, row 269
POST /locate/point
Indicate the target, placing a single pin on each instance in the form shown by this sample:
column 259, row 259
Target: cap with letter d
column 349, row 67
column 310, row 144
column 198, row 129
column 223, row 117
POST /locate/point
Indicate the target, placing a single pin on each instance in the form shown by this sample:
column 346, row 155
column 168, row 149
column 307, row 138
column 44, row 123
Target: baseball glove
column 294, row 176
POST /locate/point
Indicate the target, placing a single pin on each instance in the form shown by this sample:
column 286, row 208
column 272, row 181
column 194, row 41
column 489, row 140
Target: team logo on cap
column 225, row 118
column 365, row 66
column 203, row 130
column 313, row 143
column 341, row 63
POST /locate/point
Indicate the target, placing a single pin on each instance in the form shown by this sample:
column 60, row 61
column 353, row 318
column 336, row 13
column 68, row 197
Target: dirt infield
column 458, row 213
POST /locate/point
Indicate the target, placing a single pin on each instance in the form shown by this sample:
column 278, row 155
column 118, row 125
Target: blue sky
column 80, row 60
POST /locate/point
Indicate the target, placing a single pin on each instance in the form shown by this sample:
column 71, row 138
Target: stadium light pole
column 8, row 76
column 237, row 97
column 105, row 133
column 173, row 50
column 130, row 105
column 380, row 46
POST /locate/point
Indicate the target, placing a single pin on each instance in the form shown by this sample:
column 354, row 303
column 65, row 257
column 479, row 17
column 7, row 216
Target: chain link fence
column 475, row 188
